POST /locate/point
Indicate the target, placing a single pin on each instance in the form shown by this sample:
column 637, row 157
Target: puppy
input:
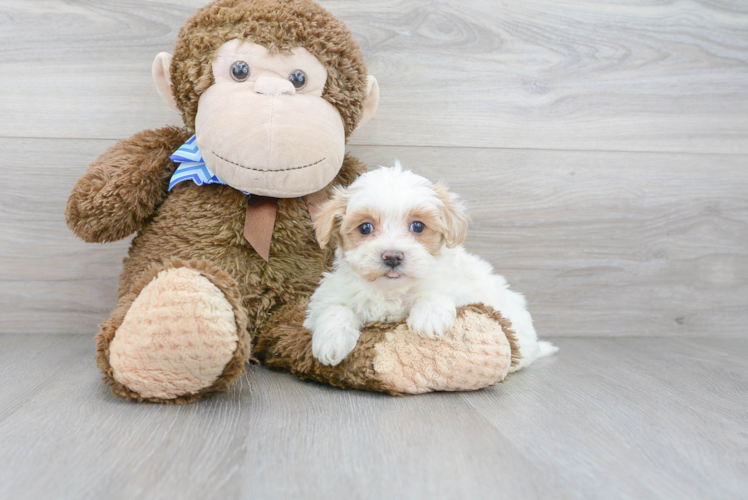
column 399, row 255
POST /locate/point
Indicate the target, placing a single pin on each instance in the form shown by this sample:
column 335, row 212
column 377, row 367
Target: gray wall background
column 602, row 147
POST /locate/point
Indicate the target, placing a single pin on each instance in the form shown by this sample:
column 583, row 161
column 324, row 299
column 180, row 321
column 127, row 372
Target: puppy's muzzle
column 392, row 258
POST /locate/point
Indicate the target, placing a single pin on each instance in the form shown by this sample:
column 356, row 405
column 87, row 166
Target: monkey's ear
column 372, row 99
column 325, row 219
column 161, row 75
column 455, row 216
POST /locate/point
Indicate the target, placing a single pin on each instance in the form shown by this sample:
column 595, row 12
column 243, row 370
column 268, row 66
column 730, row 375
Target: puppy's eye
column 417, row 226
column 366, row 228
column 240, row 71
column 298, row 78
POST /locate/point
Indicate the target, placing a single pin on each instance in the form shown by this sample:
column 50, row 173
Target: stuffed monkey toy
column 225, row 255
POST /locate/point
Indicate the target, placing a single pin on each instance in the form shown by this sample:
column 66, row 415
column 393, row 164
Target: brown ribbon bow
column 260, row 219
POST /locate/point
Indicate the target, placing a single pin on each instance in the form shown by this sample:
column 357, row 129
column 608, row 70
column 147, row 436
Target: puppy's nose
column 392, row 258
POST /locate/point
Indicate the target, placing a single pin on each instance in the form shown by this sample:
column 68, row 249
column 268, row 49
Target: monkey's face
column 263, row 126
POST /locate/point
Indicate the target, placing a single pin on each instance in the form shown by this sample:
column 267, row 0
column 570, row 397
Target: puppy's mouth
column 393, row 274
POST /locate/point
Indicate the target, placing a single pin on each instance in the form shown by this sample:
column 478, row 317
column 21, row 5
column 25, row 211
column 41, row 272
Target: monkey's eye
column 366, row 228
column 417, row 227
column 240, row 71
column 298, row 78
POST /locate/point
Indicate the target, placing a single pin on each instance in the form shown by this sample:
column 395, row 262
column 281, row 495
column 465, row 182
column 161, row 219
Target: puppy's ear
column 325, row 221
column 455, row 216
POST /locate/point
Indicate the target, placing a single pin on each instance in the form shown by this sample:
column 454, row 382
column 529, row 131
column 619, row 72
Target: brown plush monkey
column 225, row 255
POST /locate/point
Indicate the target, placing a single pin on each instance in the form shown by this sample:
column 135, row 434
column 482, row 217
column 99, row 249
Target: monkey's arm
column 477, row 352
column 124, row 186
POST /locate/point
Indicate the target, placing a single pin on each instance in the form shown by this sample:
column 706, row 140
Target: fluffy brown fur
column 223, row 282
column 207, row 222
column 193, row 223
column 284, row 345
column 279, row 27
column 201, row 227
column 123, row 187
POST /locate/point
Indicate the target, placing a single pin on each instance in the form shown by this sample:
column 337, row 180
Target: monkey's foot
column 179, row 334
column 477, row 352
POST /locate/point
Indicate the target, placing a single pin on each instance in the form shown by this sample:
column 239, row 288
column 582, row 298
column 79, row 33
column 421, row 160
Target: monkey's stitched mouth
column 268, row 171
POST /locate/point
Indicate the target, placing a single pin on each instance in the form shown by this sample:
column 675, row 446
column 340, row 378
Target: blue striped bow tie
column 192, row 167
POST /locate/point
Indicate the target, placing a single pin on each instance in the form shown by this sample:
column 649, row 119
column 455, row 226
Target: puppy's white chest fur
column 388, row 305
column 384, row 300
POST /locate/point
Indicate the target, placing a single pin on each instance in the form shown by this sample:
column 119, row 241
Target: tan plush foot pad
column 389, row 358
column 476, row 353
column 176, row 339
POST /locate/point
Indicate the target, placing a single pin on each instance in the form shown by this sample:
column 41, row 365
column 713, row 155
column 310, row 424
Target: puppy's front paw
column 331, row 346
column 432, row 319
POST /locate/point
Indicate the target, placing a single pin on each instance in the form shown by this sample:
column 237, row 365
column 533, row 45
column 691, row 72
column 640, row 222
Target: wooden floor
column 607, row 418
column 602, row 148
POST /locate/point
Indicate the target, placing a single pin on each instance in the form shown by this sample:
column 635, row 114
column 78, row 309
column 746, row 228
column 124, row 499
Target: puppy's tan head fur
column 327, row 220
column 454, row 216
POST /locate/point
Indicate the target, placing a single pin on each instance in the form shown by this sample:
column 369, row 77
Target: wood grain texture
column 650, row 411
column 605, row 243
column 547, row 118
column 661, row 418
column 582, row 74
column 600, row 243
column 50, row 282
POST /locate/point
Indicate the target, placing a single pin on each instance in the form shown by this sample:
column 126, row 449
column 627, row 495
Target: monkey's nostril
column 392, row 258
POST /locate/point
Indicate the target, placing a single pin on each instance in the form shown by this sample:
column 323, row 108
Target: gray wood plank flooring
column 607, row 418
column 602, row 148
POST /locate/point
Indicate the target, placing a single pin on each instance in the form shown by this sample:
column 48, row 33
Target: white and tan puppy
column 399, row 255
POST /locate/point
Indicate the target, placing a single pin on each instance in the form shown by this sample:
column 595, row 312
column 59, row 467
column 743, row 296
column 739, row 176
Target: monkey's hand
column 124, row 186
column 476, row 352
